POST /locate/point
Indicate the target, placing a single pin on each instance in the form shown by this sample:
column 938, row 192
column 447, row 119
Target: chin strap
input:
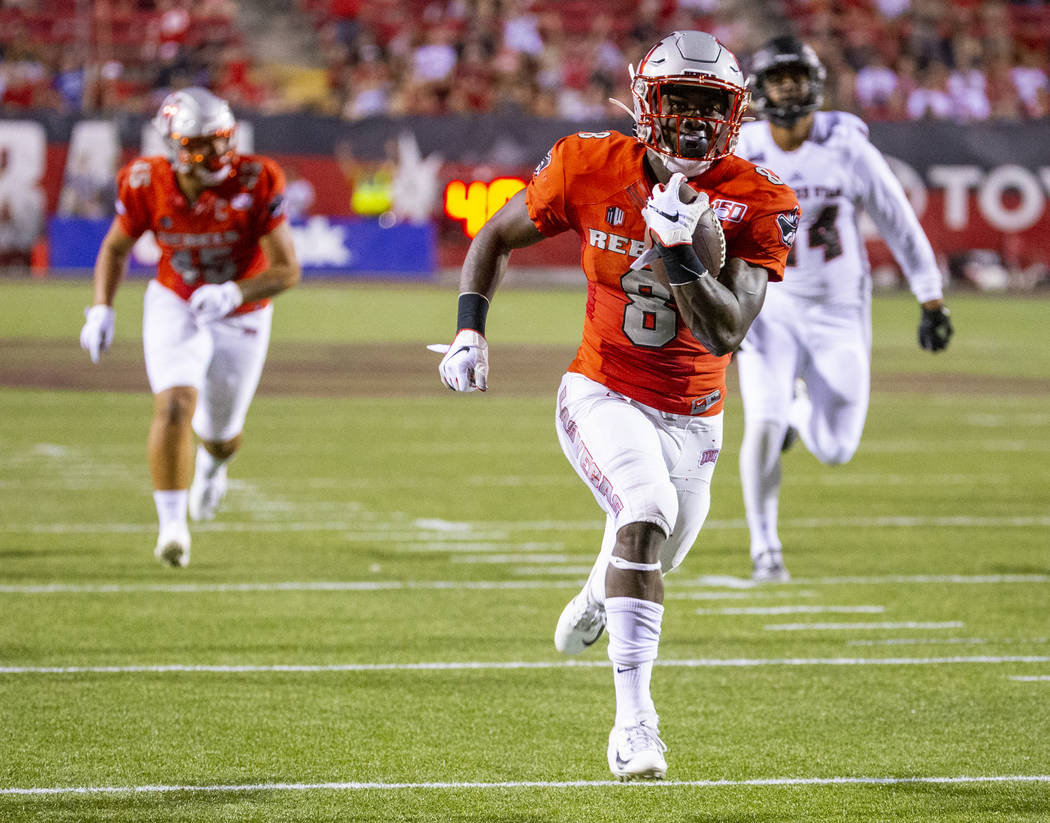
column 690, row 168
column 623, row 106
column 212, row 178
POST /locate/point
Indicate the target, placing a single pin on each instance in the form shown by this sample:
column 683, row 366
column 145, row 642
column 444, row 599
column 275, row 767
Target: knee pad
column 838, row 454
column 655, row 502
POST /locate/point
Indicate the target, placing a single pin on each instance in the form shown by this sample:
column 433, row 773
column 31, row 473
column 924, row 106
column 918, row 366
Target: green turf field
column 365, row 633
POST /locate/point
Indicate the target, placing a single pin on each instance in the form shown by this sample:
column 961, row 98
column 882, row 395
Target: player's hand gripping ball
column 677, row 214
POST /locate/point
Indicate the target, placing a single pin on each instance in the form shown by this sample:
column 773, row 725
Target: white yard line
column 385, row 531
column 294, row 586
column 768, row 610
column 677, row 585
column 962, row 641
column 760, row 592
column 648, row 785
column 801, row 627
column 508, row 559
column 702, row 663
column 1040, row 678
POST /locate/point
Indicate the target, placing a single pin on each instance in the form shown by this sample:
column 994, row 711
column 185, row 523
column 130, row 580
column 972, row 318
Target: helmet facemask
column 198, row 128
column 689, row 101
column 689, row 118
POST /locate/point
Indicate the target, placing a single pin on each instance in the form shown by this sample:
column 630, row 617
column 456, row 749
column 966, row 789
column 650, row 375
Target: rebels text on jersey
column 215, row 238
column 634, row 340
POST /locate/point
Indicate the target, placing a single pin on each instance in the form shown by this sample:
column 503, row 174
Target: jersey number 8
column 650, row 319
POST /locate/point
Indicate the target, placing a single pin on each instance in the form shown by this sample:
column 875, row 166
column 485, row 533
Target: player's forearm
column 110, row 266
column 712, row 313
column 484, row 265
column 274, row 280
column 720, row 313
column 509, row 228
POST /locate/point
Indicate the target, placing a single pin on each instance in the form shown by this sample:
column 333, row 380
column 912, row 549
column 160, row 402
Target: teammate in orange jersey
column 639, row 413
column 225, row 250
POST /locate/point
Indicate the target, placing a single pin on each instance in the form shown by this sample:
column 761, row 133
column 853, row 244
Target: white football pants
column 829, row 348
column 223, row 360
column 641, row 465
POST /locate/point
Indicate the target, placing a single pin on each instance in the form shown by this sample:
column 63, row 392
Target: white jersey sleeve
column 883, row 198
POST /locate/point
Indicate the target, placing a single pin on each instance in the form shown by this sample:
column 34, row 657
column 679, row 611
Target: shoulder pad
column 838, row 127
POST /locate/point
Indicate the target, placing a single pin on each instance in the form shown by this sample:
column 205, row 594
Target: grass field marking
column 507, row 559
column 753, row 592
column 1038, row 678
column 46, row 791
column 962, row 641
column 494, row 528
column 738, row 583
column 921, row 579
column 701, row 663
column 837, row 480
column 909, row 522
column 573, row 572
column 480, row 546
column 911, row 447
column 770, row 610
column 798, row 627
column 312, row 586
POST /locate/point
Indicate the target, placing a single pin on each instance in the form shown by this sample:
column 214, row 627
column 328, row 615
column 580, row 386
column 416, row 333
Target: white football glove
column 465, row 366
column 97, row 334
column 213, row 302
column 672, row 221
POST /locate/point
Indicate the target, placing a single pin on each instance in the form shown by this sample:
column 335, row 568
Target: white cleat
column 173, row 546
column 581, row 623
column 769, row 567
column 207, row 495
column 637, row 752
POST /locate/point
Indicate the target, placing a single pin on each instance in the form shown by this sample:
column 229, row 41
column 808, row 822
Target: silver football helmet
column 198, row 128
column 689, row 100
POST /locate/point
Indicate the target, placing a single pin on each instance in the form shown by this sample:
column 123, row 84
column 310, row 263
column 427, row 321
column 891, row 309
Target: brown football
column 709, row 241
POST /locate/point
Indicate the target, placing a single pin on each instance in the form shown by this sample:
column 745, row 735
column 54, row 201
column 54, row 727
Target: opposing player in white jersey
column 805, row 364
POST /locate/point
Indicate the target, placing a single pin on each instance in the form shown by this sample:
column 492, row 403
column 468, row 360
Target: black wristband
column 473, row 309
column 681, row 263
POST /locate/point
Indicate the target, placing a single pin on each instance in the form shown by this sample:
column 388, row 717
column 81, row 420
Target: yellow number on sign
column 476, row 203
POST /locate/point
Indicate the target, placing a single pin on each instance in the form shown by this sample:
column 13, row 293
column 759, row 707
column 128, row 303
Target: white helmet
column 689, row 100
column 192, row 121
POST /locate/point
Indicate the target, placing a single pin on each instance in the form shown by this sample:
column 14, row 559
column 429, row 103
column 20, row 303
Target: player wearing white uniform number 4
column 805, row 363
column 226, row 248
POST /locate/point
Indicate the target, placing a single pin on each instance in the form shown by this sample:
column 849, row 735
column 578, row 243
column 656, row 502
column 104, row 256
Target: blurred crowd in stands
column 961, row 60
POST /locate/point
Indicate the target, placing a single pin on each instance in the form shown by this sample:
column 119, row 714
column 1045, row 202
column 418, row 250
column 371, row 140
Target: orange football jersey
column 212, row 240
column 634, row 340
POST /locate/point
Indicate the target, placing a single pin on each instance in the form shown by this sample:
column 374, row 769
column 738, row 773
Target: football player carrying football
column 226, row 248
column 639, row 412
column 805, row 363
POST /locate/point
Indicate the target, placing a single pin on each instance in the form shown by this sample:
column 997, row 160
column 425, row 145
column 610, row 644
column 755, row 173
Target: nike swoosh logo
column 625, row 669
column 673, row 218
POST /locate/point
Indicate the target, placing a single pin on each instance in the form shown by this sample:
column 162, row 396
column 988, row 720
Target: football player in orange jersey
column 226, row 248
column 639, row 413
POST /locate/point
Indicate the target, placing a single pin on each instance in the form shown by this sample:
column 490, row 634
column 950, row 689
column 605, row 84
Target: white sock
column 760, row 481
column 171, row 506
column 634, row 639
